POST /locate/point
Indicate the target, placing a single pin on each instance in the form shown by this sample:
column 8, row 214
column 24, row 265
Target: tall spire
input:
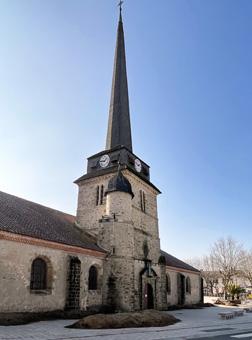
column 119, row 130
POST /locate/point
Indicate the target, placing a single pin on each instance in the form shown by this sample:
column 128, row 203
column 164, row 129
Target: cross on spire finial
column 120, row 5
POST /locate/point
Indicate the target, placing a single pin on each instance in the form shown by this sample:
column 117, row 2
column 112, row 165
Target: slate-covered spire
column 119, row 130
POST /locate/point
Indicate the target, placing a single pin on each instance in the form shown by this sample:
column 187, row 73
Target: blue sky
column 189, row 74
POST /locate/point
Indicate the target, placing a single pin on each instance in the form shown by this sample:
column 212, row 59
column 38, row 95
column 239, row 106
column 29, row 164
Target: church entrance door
column 150, row 296
column 73, row 294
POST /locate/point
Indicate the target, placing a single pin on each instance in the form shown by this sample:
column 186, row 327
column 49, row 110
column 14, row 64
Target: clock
column 138, row 165
column 104, row 161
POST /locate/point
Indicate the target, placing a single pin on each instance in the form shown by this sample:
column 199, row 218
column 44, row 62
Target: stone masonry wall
column 145, row 223
column 73, row 284
column 123, row 234
column 194, row 297
column 88, row 213
column 15, row 271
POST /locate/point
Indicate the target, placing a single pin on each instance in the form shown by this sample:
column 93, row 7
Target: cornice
column 49, row 244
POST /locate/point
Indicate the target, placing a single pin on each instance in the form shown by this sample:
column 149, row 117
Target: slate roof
column 119, row 129
column 27, row 218
column 119, row 183
column 112, row 169
column 172, row 261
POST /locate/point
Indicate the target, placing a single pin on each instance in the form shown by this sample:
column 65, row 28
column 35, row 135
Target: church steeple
column 119, row 129
column 118, row 143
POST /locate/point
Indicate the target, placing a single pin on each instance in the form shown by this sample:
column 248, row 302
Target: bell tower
column 117, row 204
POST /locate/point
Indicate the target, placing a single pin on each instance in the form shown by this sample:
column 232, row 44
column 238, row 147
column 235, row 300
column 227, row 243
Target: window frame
column 168, row 284
column 93, row 278
column 142, row 201
column 99, row 199
column 188, row 285
column 40, row 278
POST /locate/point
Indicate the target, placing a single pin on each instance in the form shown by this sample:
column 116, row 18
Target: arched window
column 168, row 284
column 38, row 274
column 100, row 194
column 188, row 285
column 97, row 195
column 92, row 278
column 142, row 200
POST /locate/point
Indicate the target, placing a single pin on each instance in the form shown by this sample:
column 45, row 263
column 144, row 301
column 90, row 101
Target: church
column 109, row 253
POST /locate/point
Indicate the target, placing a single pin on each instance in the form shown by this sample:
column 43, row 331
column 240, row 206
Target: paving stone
column 194, row 323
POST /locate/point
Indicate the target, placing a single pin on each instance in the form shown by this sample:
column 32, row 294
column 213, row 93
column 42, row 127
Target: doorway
column 150, row 296
column 147, row 288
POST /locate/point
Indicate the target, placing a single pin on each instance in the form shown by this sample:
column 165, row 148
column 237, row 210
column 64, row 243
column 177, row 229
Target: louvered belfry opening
column 73, row 281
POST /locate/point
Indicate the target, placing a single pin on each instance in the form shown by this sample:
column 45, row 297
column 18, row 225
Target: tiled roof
column 27, row 218
column 172, row 261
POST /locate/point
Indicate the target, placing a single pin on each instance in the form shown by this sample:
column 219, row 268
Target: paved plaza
column 200, row 323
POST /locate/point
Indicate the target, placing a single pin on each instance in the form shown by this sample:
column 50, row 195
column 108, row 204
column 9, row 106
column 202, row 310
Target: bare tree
column 195, row 262
column 210, row 274
column 208, row 271
column 246, row 270
column 228, row 258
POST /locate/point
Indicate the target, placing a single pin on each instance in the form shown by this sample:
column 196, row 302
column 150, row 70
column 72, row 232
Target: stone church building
column 109, row 253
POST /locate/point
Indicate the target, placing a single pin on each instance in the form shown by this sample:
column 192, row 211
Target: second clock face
column 104, row 161
column 138, row 165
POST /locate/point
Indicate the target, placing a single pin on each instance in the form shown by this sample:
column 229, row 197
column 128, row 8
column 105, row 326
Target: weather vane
column 120, row 5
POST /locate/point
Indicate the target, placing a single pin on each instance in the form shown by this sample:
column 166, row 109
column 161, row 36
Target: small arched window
column 38, row 274
column 142, row 201
column 168, row 284
column 100, row 194
column 92, row 278
column 188, row 285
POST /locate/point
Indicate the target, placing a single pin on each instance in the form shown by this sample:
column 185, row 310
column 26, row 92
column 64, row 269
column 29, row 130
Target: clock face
column 138, row 165
column 104, row 161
